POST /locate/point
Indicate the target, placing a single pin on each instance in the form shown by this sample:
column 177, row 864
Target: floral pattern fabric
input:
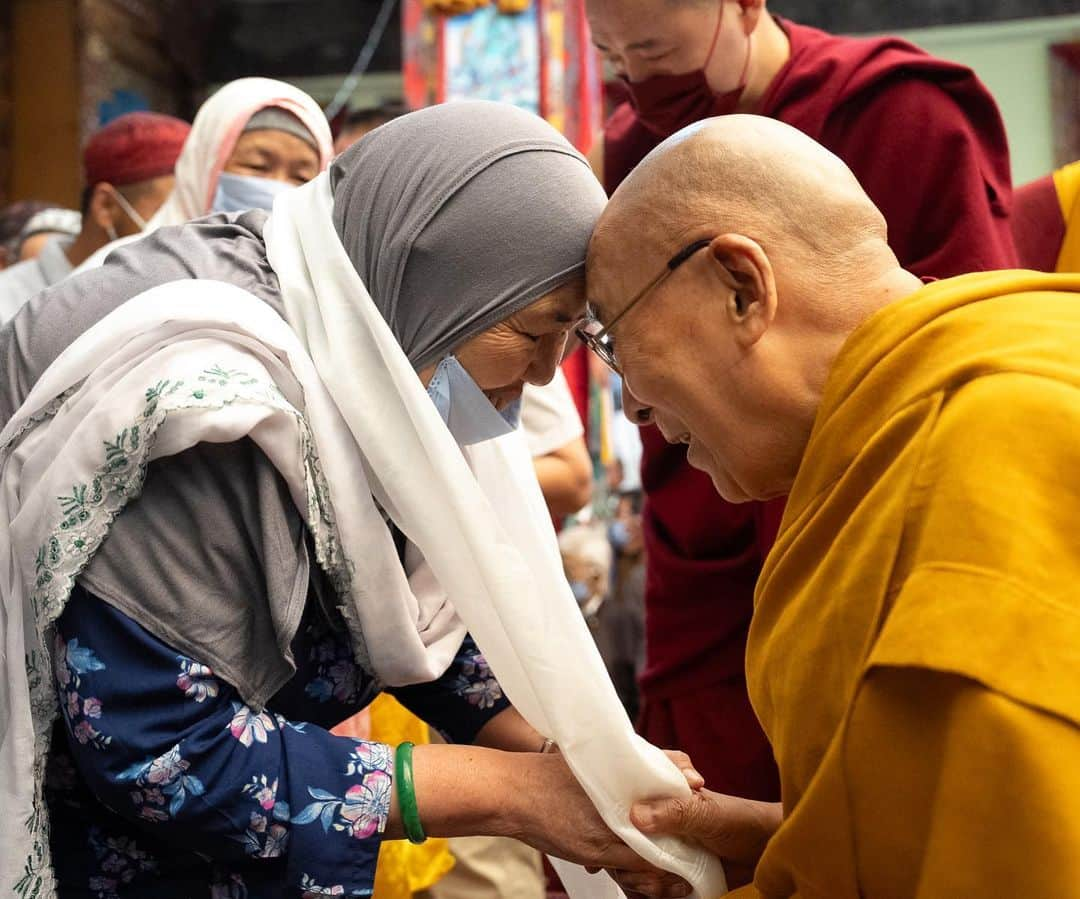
column 71, row 662
column 476, row 683
column 162, row 782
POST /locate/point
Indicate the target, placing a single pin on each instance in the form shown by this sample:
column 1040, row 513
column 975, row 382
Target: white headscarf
column 217, row 127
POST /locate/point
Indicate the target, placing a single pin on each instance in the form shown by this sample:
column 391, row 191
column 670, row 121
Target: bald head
column 765, row 254
column 756, row 176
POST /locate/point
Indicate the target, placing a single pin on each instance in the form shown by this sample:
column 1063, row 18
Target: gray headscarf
column 274, row 118
column 457, row 216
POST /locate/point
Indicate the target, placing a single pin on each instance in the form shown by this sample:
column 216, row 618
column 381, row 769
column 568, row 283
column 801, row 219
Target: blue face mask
column 512, row 414
column 238, row 193
column 466, row 411
column 618, row 534
column 581, row 591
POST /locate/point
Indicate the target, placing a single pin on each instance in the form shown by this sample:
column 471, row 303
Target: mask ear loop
column 712, row 48
column 715, row 36
column 746, row 62
column 137, row 220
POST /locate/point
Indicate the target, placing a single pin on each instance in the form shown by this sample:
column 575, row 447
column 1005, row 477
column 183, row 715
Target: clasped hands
column 731, row 828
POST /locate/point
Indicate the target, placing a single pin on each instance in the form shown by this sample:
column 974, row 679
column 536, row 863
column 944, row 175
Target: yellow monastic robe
column 914, row 654
column 1067, row 184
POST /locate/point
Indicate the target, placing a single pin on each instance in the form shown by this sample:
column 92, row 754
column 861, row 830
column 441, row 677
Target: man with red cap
column 128, row 172
column 926, row 141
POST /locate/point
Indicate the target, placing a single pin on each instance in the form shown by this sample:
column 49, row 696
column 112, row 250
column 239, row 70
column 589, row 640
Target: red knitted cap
column 134, row 147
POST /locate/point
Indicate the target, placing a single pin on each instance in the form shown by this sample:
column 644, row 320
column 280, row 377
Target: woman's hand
column 532, row 797
column 552, row 813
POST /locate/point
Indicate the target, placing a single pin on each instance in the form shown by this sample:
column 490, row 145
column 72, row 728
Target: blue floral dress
column 162, row 782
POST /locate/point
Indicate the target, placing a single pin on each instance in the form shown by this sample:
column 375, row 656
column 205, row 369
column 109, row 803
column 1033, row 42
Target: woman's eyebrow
column 255, row 150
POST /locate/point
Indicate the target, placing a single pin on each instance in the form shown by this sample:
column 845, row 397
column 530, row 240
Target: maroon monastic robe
column 1038, row 224
column 926, row 140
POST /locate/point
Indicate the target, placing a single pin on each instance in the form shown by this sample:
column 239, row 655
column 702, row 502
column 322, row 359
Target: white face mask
column 239, row 193
column 130, row 211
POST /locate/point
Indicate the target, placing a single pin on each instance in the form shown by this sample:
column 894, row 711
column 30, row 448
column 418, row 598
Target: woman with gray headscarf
column 233, row 517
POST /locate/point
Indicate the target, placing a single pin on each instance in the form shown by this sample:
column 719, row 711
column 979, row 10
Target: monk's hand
column 682, row 761
column 552, row 813
column 731, row 828
column 656, row 882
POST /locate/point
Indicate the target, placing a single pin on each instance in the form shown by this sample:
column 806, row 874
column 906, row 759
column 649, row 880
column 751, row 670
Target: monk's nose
column 634, row 409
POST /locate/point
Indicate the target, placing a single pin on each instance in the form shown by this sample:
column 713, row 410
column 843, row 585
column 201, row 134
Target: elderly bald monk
column 944, row 189
column 914, row 654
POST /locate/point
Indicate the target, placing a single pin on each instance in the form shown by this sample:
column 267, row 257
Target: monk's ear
column 744, row 269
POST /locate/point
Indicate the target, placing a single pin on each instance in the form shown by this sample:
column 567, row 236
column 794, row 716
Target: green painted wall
column 1013, row 60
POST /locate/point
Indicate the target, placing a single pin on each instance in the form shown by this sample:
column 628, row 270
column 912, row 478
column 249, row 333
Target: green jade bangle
column 406, row 792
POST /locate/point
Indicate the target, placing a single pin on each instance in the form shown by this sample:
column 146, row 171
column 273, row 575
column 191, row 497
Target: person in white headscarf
column 255, row 470
column 250, row 140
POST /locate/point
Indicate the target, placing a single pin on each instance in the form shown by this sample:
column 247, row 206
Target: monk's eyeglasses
column 597, row 337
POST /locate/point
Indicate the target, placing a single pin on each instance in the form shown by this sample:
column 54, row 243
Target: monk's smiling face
column 689, row 353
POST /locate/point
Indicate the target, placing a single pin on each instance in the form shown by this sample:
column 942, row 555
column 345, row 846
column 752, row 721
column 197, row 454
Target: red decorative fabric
column 576, row 368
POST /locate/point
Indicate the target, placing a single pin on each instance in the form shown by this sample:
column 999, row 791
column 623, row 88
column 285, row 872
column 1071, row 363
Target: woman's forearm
column 510, row 732
column 460, row 791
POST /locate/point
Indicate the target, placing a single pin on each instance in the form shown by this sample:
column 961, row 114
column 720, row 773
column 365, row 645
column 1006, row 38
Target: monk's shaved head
column 751, row 175
column 764, row 254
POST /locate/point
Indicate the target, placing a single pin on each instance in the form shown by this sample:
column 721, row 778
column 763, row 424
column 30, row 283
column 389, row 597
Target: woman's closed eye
column 259, row 166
